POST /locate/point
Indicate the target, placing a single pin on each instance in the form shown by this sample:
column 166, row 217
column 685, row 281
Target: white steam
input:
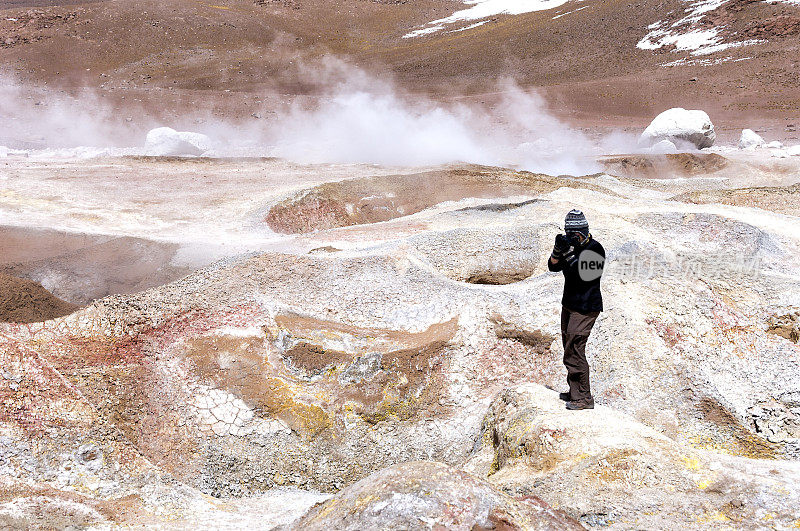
column 378, row 128
column 33, row 117
column 364, row 119
column 355, row 118
column 383, row 128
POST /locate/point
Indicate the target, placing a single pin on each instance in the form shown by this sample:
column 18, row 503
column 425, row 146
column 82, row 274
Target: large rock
column 166, row 142
column 680, row 126
column 663, row 146
column 604, row 467
column 750, row 139
column 430, row 495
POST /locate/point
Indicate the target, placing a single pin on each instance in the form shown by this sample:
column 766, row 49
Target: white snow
column 793, row 151
column 698, row 9
column 423, row 31
column 692, row 40
column 704, row 62
column 481, row 9
column 569, row 12
column 685, row 34
column 726, row 45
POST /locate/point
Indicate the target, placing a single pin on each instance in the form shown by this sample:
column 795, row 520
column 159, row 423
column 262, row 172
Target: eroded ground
column 407, row 322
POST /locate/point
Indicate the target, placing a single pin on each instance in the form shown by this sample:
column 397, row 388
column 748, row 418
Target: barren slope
column 183, row 54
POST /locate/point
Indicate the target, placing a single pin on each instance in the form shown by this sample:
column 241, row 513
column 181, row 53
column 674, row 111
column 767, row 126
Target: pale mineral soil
column 304, row 326
column 86, row 228
column 262, row 333
column 89, row 228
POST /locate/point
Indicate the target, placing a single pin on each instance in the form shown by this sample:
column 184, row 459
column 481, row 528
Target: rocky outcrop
column 377, row 199
column 479, row 256
column 779, row 199
column 787, row 326
column 428, row 495
column 750, row 140
column 667, row 165
column 778, row 420
column 35, row 25
column 603, row 467
column 773, row 27
column 663, row 146
column 681, row 127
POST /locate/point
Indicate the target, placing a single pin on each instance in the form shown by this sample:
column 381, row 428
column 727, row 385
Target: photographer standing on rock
column 581, row 258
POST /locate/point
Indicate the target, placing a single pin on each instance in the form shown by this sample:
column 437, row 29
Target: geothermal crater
column 355, row 346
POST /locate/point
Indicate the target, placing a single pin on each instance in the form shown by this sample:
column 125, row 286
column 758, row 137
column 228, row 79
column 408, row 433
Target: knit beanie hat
column 576, row 222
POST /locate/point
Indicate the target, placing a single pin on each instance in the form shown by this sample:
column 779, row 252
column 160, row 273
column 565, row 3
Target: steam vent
column 430, row 265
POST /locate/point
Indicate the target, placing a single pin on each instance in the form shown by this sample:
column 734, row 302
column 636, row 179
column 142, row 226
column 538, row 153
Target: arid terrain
column 242, row 57
column 362, row 318
column 282, row 264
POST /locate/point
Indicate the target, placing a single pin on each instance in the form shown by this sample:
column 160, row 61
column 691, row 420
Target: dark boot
column 565, row 396
column 581, row 404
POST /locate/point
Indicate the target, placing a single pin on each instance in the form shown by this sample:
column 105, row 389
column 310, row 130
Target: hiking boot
column 565, row 397
column 581, row 404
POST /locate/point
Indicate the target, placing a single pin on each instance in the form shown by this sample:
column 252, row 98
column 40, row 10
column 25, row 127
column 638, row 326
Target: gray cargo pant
column 575, row 329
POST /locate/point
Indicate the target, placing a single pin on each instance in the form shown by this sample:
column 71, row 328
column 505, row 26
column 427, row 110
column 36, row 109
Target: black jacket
column 582, row 271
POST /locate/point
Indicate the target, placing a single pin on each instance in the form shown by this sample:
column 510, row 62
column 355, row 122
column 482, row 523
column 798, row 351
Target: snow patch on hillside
column 692, row 40
column 483, row 9
column 704, row 62
column 569, row 12
column 685, row 34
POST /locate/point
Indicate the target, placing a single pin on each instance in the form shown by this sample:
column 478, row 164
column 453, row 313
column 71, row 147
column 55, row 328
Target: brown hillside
column 231, row 55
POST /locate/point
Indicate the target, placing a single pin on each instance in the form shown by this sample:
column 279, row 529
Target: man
column 581, row 258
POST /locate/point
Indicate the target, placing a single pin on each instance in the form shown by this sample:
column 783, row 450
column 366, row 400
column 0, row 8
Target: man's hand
column 561, row 247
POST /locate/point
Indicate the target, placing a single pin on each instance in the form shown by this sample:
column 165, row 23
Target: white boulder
column 165, row 141
column 774, row 145
column 680, row 126
column 750, row 140
column 664, row 146
column 793, row 151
